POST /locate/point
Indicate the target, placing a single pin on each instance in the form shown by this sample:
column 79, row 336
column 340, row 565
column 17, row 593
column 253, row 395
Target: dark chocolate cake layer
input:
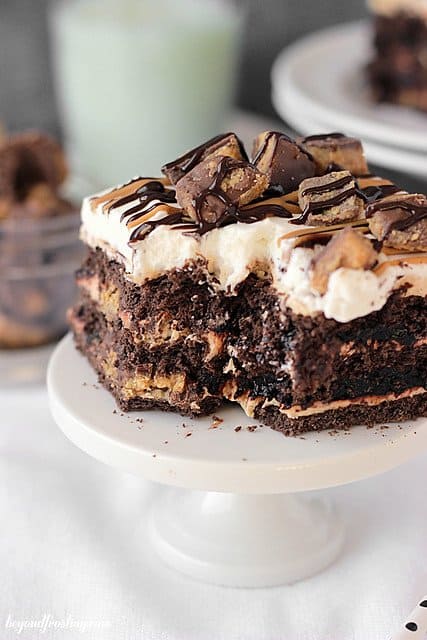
column 339, row 419
column 145, row 378
column 327, row 359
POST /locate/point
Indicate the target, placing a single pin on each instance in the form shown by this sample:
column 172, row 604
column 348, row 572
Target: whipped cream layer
column 231, row 253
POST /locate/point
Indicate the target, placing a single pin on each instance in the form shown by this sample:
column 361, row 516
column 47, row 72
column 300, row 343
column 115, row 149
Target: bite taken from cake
column 290, row 281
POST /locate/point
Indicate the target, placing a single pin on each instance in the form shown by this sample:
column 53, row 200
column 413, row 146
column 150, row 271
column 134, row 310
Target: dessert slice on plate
column 398, row 70
column 293, row 283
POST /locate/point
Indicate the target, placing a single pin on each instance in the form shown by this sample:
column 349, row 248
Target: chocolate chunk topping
column 214, row 190
column 400, row 221
column 348, row 248
column 226, row 144
column 335, row 150
column 282, row 160
column 329, row 199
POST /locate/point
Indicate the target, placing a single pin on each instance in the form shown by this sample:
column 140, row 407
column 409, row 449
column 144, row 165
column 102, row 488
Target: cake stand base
column 233, row 516
column 245, row 540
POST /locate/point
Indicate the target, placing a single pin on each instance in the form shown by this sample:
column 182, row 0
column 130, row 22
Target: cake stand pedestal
column 242, row 519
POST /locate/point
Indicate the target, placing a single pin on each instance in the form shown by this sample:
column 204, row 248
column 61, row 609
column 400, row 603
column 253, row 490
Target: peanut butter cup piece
column 329, row 199
column 226, row 144
column 335, row 151
column 348, row 248
column 216, row 187
column 282, row 160
column 28, row 159
column 400, row 221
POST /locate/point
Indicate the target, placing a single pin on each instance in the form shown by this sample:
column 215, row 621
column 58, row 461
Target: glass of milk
column 140, row 81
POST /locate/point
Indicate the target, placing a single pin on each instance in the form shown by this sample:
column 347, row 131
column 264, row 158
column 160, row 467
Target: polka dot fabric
column 416, row 625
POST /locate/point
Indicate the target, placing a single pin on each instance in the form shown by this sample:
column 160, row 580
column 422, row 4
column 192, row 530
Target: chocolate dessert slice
column 293, row 283
column 398, row 70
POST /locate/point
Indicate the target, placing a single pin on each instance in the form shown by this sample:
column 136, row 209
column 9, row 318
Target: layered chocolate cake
column 398, row 70
column 293, row 283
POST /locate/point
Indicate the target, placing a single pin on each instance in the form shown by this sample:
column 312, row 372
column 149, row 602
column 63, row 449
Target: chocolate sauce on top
column 321, row 205
column 222, row 210
column 278, row 135
column 329, row 186
column 373, row 193
column 416, row 213
column 318, row 207
column 146, row 227
column 190, row 159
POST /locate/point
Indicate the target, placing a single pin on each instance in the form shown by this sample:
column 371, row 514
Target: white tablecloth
column 75, row 561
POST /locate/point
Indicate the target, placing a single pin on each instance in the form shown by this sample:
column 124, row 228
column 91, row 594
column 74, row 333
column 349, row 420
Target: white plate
column 303, row 121
column 324, row 72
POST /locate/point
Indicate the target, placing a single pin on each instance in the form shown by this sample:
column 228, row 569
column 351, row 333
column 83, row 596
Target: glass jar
column 38, row 258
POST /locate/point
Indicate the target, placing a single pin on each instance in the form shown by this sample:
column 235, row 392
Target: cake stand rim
column 234, row 476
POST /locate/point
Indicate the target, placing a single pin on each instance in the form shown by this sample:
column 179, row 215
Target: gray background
column 26, row 91
column 26, row 94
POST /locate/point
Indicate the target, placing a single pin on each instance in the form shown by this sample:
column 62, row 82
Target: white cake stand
column 242, row 523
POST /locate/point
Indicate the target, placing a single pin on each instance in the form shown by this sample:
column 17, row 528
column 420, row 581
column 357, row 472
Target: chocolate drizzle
column 317, row 207
column 151, row 202
column 271, row 134
column 215, row 209
column 190, row 159
column 329, row 186
column 149, row 193
column 416, row 213
column 146, row 227
column 373, row 193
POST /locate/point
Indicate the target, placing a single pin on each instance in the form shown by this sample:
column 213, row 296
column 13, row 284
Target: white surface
column 244, row 540
column 263, row 461
column 24, row 366
column 308, row 122
column 325, row 74
column 74, row 544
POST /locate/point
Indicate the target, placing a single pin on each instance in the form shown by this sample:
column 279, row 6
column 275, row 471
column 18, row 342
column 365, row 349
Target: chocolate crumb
column 190, row 433
column 252, row 427
column 216, row 421
column 237, row 429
